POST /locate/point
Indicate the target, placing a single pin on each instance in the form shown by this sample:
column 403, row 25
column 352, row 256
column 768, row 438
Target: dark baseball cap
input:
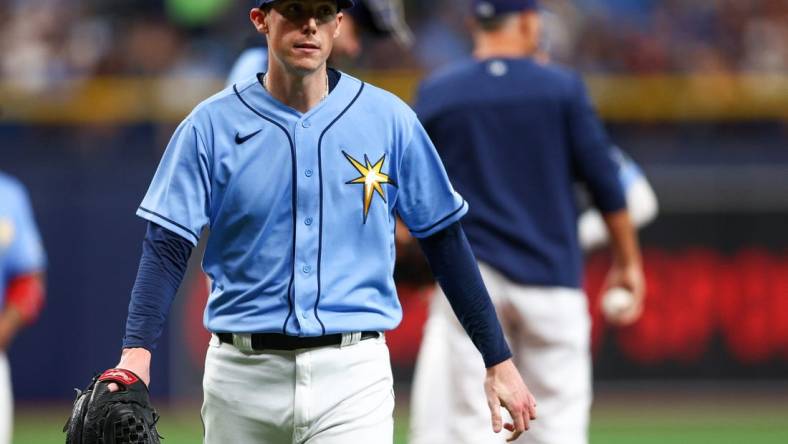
column 485, row 9
column 343, row 4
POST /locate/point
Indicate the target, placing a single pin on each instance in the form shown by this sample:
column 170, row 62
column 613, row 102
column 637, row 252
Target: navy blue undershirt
column 162, row 266
column 456, row 270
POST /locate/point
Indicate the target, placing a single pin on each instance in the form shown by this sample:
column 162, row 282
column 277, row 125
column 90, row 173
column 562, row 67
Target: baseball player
column 515, row 135
column 298, row 173
column 22, row 263
column 376, row 17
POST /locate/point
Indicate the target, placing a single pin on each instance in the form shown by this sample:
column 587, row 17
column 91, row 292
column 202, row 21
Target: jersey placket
column 307, row 227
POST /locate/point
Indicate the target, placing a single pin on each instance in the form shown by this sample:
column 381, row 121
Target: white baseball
column 616, row 301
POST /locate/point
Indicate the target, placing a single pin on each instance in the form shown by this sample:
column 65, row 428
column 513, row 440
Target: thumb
column 495, row 413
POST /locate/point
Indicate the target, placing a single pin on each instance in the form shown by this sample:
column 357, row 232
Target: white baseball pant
column 326, row 395
column 548, row 330
column 6, row 401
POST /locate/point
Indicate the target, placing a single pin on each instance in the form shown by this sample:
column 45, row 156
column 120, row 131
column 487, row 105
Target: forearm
column 623, row 239
column 10, row 323
column 163, row 264
column 457, row 272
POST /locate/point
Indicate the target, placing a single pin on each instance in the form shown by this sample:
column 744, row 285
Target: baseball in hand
column 617, row 301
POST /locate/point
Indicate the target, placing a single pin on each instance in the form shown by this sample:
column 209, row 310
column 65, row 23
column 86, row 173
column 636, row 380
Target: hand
column 136, row 360
column 504, row 387
column 631, row 278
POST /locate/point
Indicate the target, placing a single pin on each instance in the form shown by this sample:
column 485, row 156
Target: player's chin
column 304, row 69
column 305, row 63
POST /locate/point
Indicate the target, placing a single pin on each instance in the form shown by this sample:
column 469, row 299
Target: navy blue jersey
column 515, row 136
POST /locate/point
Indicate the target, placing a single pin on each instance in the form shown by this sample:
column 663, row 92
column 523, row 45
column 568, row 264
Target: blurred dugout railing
column 715, row 148
column 619, row 98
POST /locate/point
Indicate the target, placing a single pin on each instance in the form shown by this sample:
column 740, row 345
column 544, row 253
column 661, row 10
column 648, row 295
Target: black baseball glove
column 103, row 417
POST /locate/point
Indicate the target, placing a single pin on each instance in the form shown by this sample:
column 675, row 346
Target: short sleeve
column 26, row 253
column 178, row 196
column 629, row 173
column 591, row 152
column 426, row 200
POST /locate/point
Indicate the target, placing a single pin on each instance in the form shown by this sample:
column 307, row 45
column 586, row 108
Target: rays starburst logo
column 372, row 178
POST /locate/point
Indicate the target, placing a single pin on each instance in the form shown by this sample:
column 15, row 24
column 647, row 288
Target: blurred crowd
column 46, row 41
column 685, row 36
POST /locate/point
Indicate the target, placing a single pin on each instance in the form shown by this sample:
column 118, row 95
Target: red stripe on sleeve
column 26, row 295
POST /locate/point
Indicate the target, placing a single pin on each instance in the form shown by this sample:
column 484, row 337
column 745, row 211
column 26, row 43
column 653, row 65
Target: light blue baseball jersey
column 20, row 244
column 250, row 62
column 301, row 207
column 628, row 171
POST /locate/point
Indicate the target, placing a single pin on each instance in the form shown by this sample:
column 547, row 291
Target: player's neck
column 489, row 46
column 299, row 92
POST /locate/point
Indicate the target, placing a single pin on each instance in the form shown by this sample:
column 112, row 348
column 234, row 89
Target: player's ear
column 338, row 31
column 258, row 16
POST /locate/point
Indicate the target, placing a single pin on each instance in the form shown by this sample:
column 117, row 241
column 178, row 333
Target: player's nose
column 310, row 26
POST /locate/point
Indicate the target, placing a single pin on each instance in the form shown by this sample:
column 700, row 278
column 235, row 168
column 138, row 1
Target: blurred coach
column 515, row 136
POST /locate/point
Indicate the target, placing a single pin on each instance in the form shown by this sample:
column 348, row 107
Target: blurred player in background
column 384, row 18
column 515, row 134
column 22, row 264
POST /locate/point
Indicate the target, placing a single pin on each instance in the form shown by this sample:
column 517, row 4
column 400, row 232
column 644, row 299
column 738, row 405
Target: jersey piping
column 448, row 216
column 320, row 175
column 290, row 289
column 186, row 229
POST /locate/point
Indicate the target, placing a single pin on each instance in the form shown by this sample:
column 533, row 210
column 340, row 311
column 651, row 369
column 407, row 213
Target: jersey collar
column 257, row 97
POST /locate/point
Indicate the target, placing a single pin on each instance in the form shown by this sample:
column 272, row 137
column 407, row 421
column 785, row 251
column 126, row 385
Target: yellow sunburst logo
column 371, row 177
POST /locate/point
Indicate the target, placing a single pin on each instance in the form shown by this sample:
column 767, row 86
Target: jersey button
column 306, row 124
column 308, row 173
column 306, row 269
column 308, row 221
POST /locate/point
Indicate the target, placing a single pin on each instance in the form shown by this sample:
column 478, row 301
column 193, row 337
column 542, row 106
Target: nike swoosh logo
column 239, row 140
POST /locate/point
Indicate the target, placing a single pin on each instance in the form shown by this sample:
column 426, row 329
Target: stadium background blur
column 695, row 90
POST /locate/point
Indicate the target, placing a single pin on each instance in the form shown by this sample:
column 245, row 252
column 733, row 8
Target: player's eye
column 293, row 10
column 326, row 13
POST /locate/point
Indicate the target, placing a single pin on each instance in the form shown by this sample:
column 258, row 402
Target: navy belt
column 277, row 341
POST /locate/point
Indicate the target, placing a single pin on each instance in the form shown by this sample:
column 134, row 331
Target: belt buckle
column 243, row 342
column 349, row 339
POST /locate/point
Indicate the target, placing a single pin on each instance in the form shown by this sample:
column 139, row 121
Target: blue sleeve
column 426, row 200
column 25, row 253
column 165, row 256
column 178, row 198
column 455, row 268
column 628, row 171
column 590, row 152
